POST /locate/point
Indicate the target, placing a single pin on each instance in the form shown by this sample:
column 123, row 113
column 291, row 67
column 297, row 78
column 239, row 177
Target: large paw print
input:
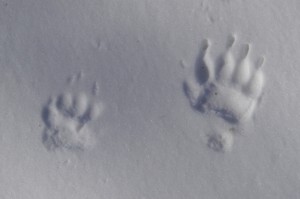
column 230, row 88
column 66, row 117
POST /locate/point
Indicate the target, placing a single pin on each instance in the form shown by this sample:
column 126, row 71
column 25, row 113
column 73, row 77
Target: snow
column 112, row 74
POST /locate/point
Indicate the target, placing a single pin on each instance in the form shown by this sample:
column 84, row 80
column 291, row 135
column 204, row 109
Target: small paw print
column 220, row 142
column 66, row 117
column 231, row 88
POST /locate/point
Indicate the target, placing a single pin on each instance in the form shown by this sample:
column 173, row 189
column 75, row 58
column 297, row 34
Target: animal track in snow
column 230, row 87
column 66, row 117
column 220, row 142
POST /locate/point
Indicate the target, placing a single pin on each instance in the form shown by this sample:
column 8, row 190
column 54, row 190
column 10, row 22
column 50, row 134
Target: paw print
column 229, row 88
column 220, row 142
column 66, row 117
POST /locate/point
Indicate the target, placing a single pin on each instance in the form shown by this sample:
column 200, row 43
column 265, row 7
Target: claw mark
column 95, row 89
column 75, row 78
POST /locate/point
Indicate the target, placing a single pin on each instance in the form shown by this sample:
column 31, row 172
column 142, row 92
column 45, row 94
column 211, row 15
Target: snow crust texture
column 66, row 117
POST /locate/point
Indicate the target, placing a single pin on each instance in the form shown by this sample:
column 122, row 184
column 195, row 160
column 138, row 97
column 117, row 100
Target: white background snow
column 150, row 142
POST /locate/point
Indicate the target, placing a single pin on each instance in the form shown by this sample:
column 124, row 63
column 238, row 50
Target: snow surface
column 93, row 103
